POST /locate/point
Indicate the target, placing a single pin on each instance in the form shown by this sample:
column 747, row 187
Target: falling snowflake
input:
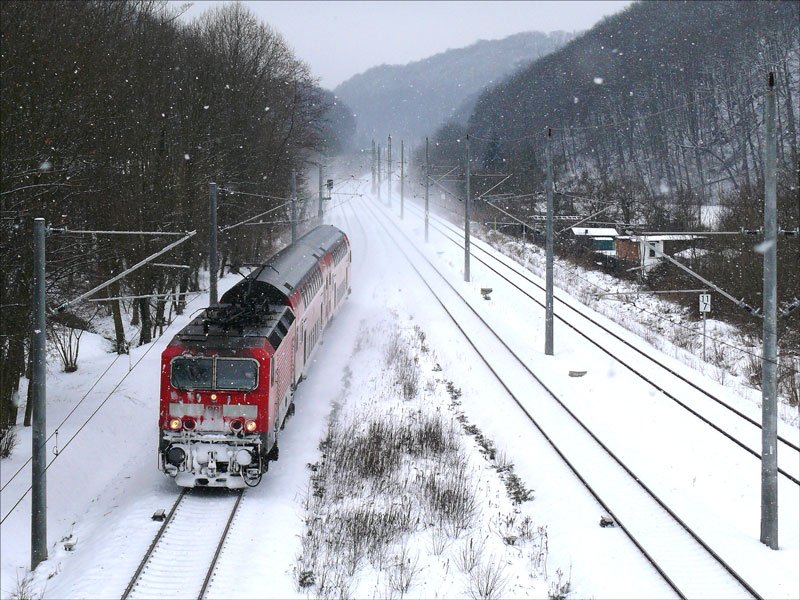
column 598, row 80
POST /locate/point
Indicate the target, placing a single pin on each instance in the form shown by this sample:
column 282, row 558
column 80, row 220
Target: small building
column 643, row 250
column 601, row 239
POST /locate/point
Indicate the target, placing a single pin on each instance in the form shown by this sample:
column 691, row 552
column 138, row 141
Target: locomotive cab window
column 236, row 374
column 214, row 374
column 192, row 373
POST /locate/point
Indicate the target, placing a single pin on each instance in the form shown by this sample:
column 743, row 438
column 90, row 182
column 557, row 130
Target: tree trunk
column 29, row 397
column 225, row 261
column 160, row 320
column 135, row 313
column 145, row 337
column 10, row 372
column 791, row 128
column 119, row 328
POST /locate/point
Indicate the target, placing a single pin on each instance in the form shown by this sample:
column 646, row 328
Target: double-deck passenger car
column 228, row 378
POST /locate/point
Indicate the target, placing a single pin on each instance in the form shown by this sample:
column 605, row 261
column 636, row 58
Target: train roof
column 287, row 269
column 207, row 332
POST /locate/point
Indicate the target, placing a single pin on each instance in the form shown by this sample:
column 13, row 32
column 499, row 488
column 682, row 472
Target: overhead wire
column 91, row 416
column 744, row 351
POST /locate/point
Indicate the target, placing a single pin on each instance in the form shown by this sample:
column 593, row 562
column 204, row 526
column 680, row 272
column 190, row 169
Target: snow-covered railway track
column 688, row 564
column 181, row 559
column 727, row 420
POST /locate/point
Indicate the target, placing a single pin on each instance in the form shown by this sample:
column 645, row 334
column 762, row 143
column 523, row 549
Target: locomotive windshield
column 235, row 374
column 192, row 373
column 214, row 374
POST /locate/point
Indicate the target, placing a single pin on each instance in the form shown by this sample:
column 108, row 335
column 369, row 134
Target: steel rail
column 149, row 553
column 219, row 548
column 160, row 536
column 644, row 354
column 739, row 579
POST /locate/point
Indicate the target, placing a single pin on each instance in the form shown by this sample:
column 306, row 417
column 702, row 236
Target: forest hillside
column 410, row 100
column 656, row 116
column 115, row 116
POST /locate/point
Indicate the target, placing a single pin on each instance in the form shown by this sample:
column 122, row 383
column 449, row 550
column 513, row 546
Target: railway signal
column 705, row 308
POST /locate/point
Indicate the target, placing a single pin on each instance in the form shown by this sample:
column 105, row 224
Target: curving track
column 690, row 566
column 726, row 420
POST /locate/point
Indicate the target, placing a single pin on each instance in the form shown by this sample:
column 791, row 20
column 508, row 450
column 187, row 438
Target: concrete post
column 548, row 319
column 39, row 416
column 769, row 382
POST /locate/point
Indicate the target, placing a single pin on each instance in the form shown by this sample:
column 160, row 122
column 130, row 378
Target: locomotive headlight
column 174, row 424
column 236, row 425
column 176, row 456
column 213, row 396
column 250, row 426
column 244, row 458
column 189, row 424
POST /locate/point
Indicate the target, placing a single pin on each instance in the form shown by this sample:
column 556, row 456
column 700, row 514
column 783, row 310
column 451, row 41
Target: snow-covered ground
column 104, row 486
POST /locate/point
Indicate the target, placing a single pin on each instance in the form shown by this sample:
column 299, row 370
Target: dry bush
column 65, row 331
column 507, row 528
column 370, row 501
column 468, row 556
column 753, row 370
column 24, row 589
column 560, row 587
column 789, row 380
column 439, row 541
column 540, row 550
column 403, row 363
column 487, row 581
column 403, row 571
column 685, row 338
column 449, row 497
column 8, row 441
column 68, row 343
column 430, row 435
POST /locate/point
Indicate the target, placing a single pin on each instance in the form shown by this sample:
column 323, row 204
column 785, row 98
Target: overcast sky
column 341, row 39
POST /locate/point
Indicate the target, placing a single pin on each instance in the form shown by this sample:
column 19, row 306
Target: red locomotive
column 227, row 378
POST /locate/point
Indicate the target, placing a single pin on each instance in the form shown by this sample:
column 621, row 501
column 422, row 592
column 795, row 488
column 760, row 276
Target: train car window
column 275, row 338
column 287, row 319
column 282, row 329
column 237, row 374
column 192, row 373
